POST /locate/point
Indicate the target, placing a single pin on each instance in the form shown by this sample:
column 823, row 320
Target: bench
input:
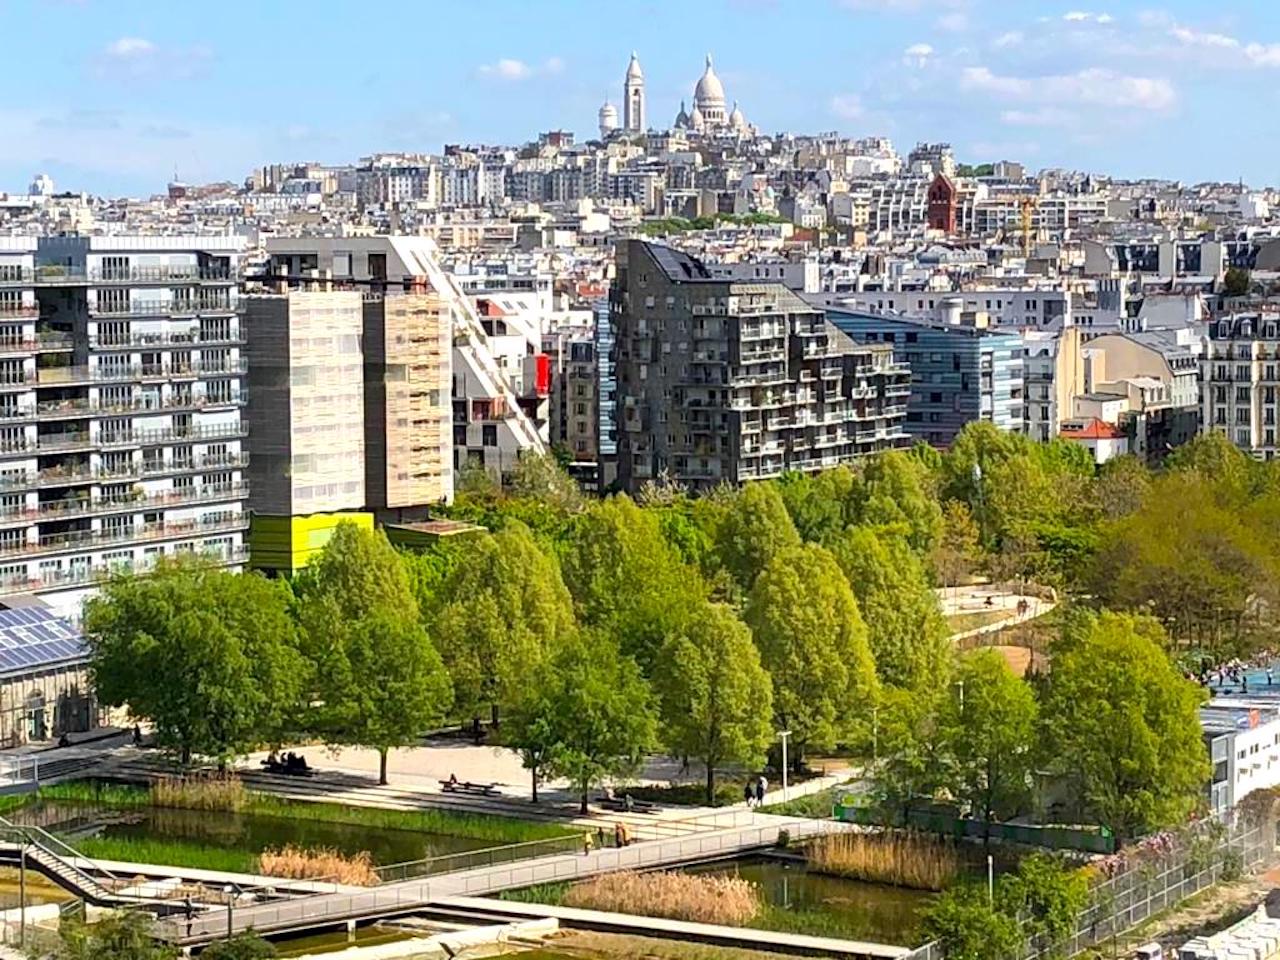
column 284, row 770
column 474, row 789
column 619, row 804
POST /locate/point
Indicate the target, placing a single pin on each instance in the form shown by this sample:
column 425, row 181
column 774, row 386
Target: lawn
column 964, row 622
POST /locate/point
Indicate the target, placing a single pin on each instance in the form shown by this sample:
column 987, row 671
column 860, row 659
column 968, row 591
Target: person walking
column 587, row 843
column 761, row 785
column 618, row 836
column 748, row 794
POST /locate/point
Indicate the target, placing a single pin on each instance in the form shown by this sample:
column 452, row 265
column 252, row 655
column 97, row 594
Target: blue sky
column 112, row 95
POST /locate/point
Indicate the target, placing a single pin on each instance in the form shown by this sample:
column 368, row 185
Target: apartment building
column 121, row 383
column 483, row 417
column 1240, row 378
column 1016, row 307
column 961, row 369
column 729, row 381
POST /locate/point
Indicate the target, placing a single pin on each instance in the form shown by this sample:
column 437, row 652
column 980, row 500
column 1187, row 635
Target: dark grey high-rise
column 726, row 381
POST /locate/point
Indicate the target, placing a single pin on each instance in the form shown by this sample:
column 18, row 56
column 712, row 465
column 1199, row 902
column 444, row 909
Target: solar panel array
column 32, row 638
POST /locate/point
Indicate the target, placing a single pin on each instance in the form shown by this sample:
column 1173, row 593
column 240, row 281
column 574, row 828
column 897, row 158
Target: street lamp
column 783, row 735
column 229, row 890
column 960, row 684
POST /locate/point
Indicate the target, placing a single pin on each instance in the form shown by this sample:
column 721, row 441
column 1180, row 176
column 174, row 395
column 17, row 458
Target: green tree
column 1201, row 564
column 243, row 946
column 532, row 733
column 117, row 936
column 958, row 548
column 591, row 711
column 1236, row 282
column 909, row 747
column 908, row 635
column 1217, row 460
column 379, row 681
column 1048, row 895
column 543, row 478
column 1122, row 723
column 209, row 657
column 813, row 642
column 898, row 493
column 756, row 528
column 1123, row 485
column 716, row 697
column 991, row 736
column 509, row 609
column 818, row 503
column 970, row 928
column 626, row 579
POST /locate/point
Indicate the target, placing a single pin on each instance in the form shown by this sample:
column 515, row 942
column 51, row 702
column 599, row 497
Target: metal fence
column 1214, row 850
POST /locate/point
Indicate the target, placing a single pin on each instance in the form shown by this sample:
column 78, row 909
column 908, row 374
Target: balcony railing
column 44, row 342
column 86, row 506
column 85, row 574
column 84, row 407
column 193, row 338
column 131, row 438
column 53, row 275
column 115, row 374
column 162, row 308
column 66, row 476
column 9, row 311
column 137, row 533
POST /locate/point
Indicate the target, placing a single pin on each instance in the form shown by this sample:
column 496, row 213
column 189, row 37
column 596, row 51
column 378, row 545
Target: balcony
column 69, row 476
column 61, row 275
column 162, row 308
column 68, row 376
column 86, row 506
column 9, row 311
column 82, row 440
column 80, row 407
column 140, row 533
column 177, row 340
column 85, row 575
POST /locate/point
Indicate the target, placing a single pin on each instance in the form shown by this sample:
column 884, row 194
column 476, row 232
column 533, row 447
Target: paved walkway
column 745, row 938
column 985, row 598
column 412, row 895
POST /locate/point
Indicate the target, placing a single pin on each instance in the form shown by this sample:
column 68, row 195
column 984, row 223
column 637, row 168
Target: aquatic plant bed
column 790, row 900
column 492, row 828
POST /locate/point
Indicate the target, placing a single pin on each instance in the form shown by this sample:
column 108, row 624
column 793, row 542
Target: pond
column 798, row 901
column 38, row 889
column 238, row 831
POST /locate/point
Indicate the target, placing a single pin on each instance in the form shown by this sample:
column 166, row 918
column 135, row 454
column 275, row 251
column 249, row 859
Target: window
column 489, row 435
column 912, row 337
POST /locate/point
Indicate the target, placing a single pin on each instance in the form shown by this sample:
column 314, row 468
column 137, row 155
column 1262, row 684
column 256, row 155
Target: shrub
column 295, row 863
column 898, row 857
column 699, row 898
column 200, row 793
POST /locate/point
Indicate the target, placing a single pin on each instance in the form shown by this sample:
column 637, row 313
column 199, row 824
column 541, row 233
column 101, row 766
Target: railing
column 82, row 406
column 23, row 312
column 132, row 438
column 100, row 373
column 57, row 477
column 64, row 856
column 86, row 506
column 85, row 574
column 56, row 274
column 194, row 339
column 160, row 308
column 474, row 859
column 131, row 533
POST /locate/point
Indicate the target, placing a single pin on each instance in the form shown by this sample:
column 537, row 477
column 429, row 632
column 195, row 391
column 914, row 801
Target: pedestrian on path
column 586, row 844
column 761, row 785
column 600, row 838
column 618, row 835
column 748, row 794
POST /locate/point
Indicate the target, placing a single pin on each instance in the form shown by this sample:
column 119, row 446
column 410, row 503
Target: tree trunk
column 382, row 765
column 535, row 784
column 586, row 790
column 475, row 730
column 493, row 714
column 186, row 754
column 711, row 783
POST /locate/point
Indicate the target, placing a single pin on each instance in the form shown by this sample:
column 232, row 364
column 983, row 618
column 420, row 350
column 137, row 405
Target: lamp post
column 22, row 895
column 229, row 890
column 960, row 684
column 783, row 735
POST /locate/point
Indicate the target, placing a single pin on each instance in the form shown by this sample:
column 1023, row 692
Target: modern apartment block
column 306, row 414
column 721, row 380
column 1240, row 379
column 960, row 371
column 463, row 395
column 121, row 382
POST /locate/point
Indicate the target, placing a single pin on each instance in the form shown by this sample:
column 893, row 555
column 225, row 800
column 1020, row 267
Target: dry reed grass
column 200, row 793
column 699, row 898
column 295, row 863
column 897, row 857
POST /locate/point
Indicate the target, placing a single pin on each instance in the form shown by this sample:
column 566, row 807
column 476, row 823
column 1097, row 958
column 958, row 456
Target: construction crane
column 1028, row 205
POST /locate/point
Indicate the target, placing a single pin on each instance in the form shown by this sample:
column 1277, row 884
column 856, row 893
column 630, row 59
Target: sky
column 115, row 96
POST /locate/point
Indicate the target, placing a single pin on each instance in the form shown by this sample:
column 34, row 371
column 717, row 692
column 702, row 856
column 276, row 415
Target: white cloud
column 1095, row 86
column 507, row 69
column 1215, row 44
column 954, row 22
column 847, row 106
column 1263, row 54
column 919, row 50
column 902, row 6
column 126, row 48
column 1010, row 39
column 1193, row 38
column 1039, row 117
column 1085, row 16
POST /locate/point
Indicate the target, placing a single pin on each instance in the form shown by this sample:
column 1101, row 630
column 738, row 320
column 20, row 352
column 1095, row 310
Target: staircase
column 60, row 863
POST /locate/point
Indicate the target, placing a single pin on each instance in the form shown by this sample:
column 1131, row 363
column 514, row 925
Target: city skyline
column 130, row 97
